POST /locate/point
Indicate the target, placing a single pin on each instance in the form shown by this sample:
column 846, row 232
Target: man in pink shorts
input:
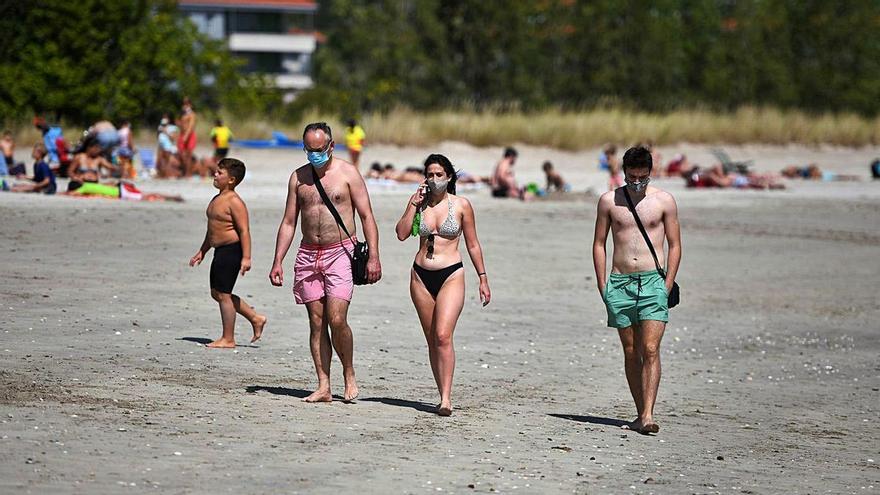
column 322, row 272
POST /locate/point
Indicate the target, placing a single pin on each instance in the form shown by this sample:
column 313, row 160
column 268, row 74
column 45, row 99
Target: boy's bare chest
column 218, row 209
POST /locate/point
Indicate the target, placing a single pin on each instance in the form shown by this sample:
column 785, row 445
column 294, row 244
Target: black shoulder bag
column 674, row 293
column 361, row 251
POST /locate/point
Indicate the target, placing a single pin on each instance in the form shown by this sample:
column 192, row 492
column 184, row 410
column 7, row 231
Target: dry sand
column 770, row 380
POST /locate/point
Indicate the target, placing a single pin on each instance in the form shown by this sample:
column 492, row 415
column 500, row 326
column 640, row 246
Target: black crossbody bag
column 674, row 293
column 361, row 251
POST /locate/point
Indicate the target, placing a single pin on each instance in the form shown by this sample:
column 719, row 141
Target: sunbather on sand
column 813, row 172
column 121, row 190
column 695, row 176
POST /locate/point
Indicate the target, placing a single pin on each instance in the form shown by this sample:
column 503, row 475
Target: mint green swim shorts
column 634, row 297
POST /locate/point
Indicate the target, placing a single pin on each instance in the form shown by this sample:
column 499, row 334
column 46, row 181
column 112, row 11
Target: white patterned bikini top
column 449, row 227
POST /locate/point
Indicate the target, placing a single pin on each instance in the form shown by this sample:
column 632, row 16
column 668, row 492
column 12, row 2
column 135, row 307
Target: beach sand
column 770, row 364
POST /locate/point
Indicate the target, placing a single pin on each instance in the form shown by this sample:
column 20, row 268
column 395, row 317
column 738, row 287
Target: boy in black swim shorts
column 229, row 234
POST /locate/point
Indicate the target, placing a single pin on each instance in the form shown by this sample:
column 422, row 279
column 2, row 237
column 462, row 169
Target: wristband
column 480, row 274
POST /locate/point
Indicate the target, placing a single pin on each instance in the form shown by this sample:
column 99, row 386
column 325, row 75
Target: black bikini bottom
column 434, row 279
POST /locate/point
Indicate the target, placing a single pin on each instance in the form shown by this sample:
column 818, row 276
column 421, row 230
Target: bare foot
column 633, row 425
column 444, row 409
column 351, row 391
column 221, row 344
column 649, row 427
column 319, row 396
column 261, row 321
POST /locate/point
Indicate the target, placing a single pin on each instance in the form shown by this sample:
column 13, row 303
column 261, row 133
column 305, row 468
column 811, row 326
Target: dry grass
column 577, row 130
column 574, row 130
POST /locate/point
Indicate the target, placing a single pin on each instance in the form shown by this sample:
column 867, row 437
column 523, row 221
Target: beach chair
column 729, row 165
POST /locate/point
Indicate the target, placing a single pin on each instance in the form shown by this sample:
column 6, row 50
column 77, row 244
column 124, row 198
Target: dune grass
column 570, row 130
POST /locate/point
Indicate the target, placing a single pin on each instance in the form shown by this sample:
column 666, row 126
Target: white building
column 275, row 37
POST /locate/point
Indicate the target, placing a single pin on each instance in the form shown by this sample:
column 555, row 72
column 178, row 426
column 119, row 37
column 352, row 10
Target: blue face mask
column 318, row 158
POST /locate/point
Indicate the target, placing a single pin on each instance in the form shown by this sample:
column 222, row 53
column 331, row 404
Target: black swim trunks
column 221, row 152
column 225, row 267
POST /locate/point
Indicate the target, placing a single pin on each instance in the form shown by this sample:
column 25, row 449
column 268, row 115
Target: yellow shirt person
column 354, row 141
column 221, row 135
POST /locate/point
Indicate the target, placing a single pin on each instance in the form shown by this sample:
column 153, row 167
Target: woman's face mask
column 438, row 185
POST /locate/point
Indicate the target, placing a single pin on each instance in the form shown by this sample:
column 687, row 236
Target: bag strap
column 632, row 209
column 328, row 203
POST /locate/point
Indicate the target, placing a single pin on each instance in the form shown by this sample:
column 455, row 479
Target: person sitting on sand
column 90, row 165
column 554, row 179
column 125, row 151
column 167, row 161
column 120, row 190
column 7, row 147
column 636, row 293
column 503, row 180
column 229, row 234
column 437, row 276
column 813, row 172
column 43, row 180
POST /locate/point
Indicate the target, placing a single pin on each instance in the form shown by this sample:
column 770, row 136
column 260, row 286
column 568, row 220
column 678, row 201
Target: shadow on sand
column 596, row 420
column 290, row 392
column 418, row 406
column 206, row 341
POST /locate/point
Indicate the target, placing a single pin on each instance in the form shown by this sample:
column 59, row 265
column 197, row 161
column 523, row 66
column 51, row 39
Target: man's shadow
column 290, row 392
column 299, row 393
column 418, row 406
column 596, row 420
column 205, row 341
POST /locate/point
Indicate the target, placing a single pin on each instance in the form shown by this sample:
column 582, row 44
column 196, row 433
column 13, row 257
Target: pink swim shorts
column 323, row 270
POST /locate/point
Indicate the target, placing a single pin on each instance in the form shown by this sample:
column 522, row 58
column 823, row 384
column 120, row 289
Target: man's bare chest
column 309, row 197
column 650, row 215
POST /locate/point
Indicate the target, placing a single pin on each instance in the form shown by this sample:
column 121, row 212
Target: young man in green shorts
column 635, row 294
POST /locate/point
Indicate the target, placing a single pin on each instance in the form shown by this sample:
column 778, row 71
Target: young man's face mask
column 638, row 186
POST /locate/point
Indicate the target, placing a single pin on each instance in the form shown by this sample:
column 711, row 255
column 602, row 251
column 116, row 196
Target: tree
column 87, row 60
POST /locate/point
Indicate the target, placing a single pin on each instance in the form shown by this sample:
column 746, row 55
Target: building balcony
column 296, row 82
column 275, row 43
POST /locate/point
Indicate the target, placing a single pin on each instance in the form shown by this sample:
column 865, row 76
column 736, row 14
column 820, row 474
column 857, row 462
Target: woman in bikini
column 439, row 217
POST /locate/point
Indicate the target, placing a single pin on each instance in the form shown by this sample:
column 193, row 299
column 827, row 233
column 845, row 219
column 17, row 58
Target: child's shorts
column 634, row 297
column 225, row 267
column 323, row 270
